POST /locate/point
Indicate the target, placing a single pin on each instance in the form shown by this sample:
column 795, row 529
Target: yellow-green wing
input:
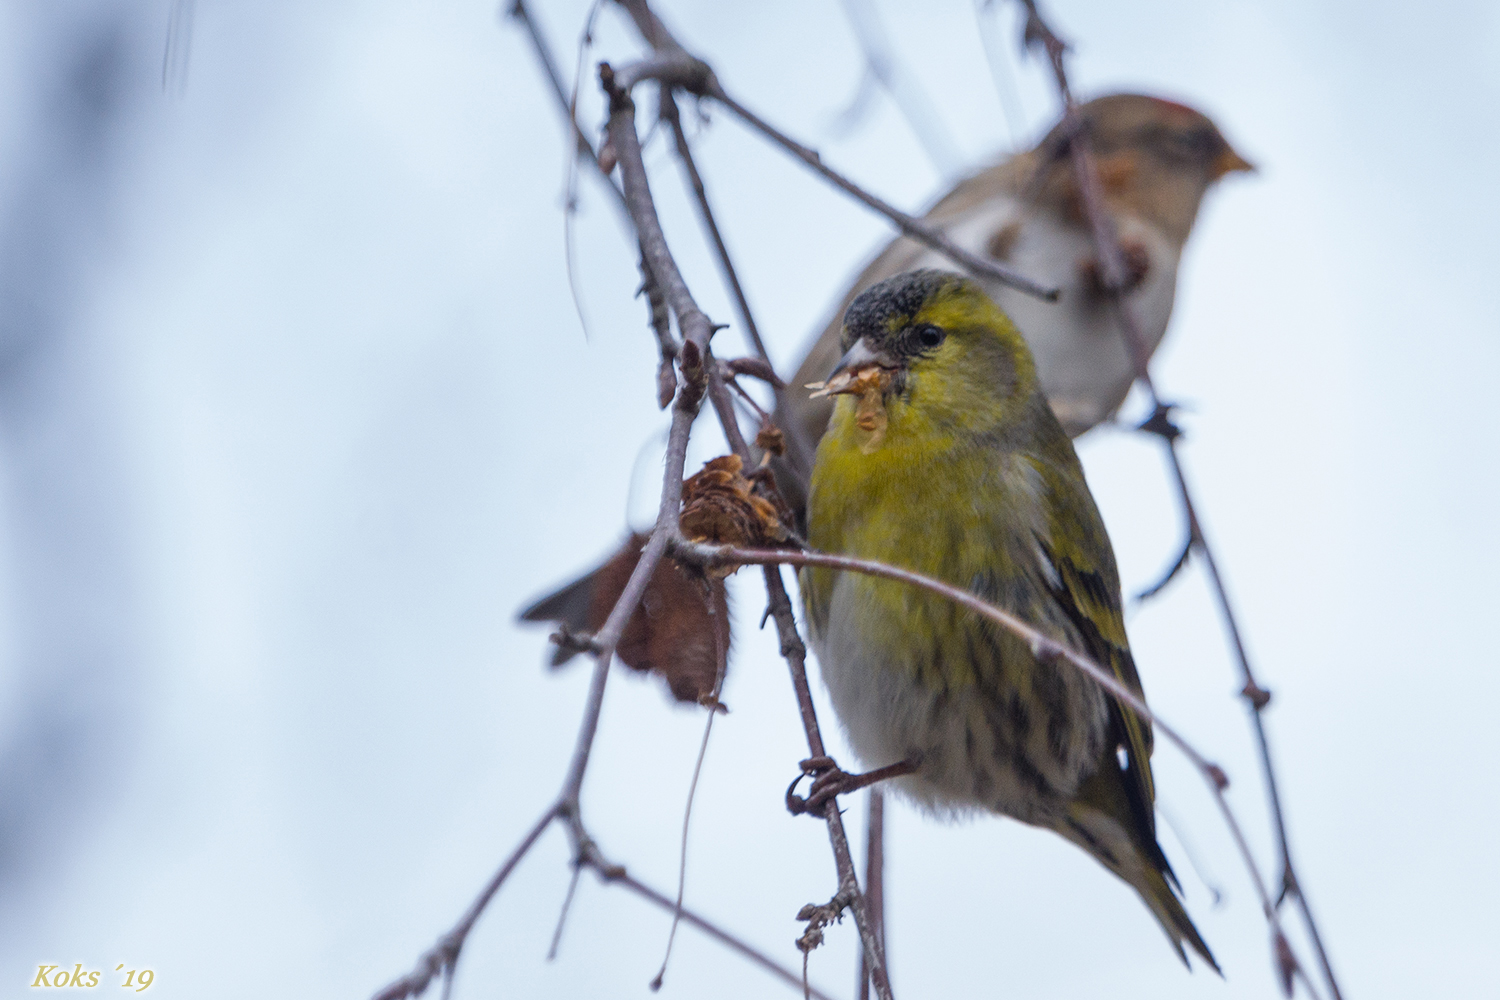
column 1086, row 588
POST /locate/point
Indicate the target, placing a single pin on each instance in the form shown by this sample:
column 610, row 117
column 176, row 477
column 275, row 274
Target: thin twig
column 795, row 653
column 693, row 355
column 692, row 323
column 1041, row 645
column 1005, row 84
column 570, row 212
column 178, row 49
column 673, row 64
column 670, row 112
column 908, row 224
column 874, row 880
column 779, row 607
column 585, row 148
column 444, row 955
column 620, row 877
column 441, row 959
column 722, row 657
column 706, row 214
column 1114, row 272
column 920, row 113
column 698, row 331
column 1200, row 868
column 562, row 916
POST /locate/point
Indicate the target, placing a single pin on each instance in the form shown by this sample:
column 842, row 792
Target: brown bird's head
column 1156, row 157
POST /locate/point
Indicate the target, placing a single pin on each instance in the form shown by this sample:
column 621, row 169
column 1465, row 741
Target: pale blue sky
column 296, row 411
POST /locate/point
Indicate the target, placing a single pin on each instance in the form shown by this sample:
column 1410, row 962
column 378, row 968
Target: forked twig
column 721, row 251
column 697, row 375
column 697, row 331
column 694, row 365
column 1042, row 647
column 674, row 64
column 585, row 149
column 1115, row 276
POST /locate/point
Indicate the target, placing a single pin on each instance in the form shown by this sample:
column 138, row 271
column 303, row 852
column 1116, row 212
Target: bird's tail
column 1145, row 870
column 574, row 606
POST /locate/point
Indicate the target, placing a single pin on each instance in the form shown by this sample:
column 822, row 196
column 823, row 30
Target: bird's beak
column 861, row 356
column 857, row 371
column 1229, row 162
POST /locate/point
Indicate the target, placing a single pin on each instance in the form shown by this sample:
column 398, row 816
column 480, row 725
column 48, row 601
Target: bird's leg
column 830, row 780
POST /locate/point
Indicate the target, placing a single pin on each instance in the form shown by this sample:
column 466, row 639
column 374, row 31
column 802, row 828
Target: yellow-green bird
column 943, row 457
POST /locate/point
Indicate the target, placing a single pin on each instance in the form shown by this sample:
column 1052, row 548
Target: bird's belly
column 972, row 752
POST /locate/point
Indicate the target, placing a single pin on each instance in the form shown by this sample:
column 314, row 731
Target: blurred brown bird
column 1156, row 160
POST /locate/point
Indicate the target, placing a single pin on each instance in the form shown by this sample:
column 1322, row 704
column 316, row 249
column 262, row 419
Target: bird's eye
column 1198, row 144
column 930, row 336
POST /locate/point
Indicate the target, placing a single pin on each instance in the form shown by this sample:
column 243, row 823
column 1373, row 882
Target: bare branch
column 726, row 264
column 697, row 332
column 908, row 224
column 620, row 877
column 691, row 321
column 920, row 113
column 1042, row 647
column 674, row 65
column 874, row 879
column 585, row 148
column 706, row 214
column 695, row 363
column 1115, row 276
column 795, row 654
column 443, row 956
column 721, row 654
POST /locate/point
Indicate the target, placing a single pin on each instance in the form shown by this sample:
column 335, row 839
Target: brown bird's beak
column 858, row 370
column 1229, row 162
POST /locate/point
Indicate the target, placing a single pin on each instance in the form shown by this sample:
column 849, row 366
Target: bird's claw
column 830, row 781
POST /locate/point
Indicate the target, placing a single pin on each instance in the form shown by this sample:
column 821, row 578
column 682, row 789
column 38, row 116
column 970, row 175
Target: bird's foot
column 829, row 781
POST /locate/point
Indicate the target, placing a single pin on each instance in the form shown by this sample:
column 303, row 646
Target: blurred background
column 296, row 411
